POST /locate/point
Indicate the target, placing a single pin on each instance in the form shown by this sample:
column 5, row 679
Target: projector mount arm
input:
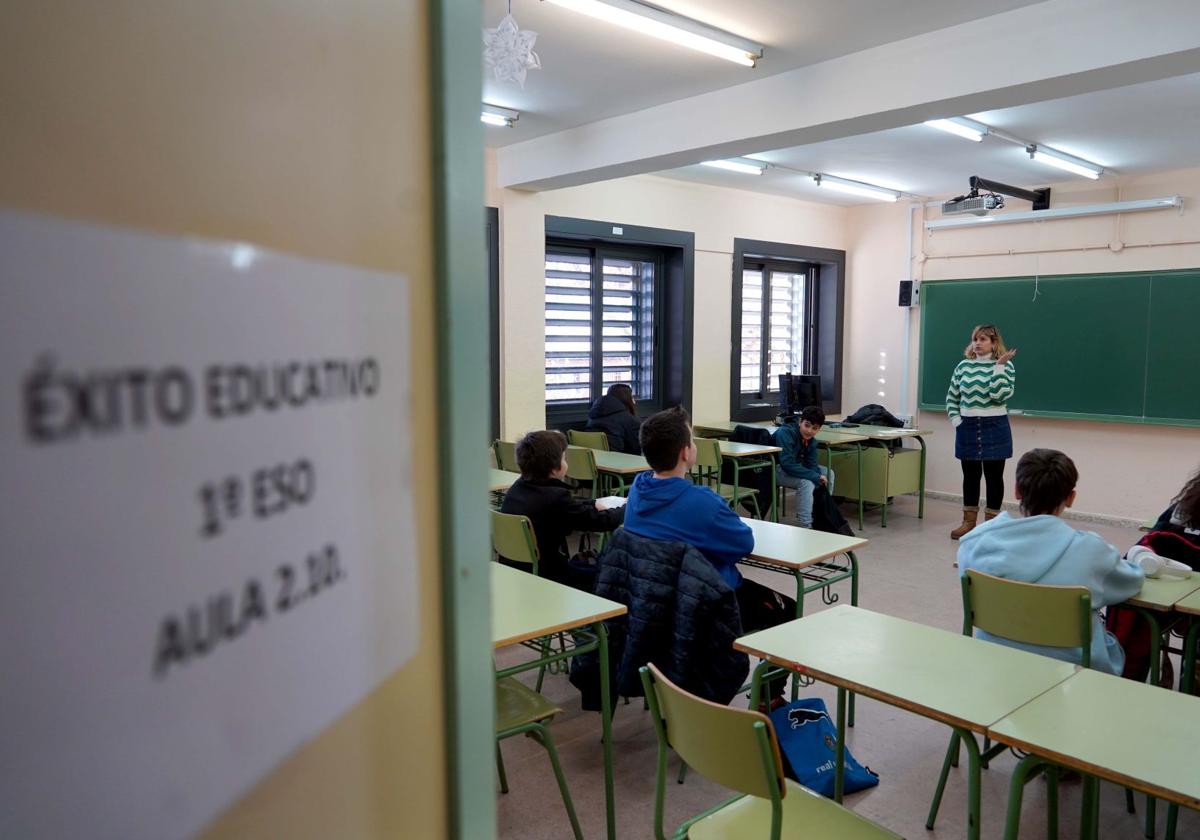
column 1040, row 198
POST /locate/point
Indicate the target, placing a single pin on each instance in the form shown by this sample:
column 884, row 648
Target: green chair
column 506, row 455
column 581, row 466
column 589, row 440
column 521, row 710
column 708, row 472
column 736, row 748
column 513, row 538
column 1030, row 613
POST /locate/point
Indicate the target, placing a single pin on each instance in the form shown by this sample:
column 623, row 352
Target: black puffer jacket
column 609, row 415
column 682, row 616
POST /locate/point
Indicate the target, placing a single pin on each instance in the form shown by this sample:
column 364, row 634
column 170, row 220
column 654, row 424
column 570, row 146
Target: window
column 788, row 307
column 777, row 330
column 600, row 322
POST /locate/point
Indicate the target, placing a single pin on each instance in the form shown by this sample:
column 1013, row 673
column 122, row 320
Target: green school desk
column 619, row 465
column 746, row 456
column 963, row 682
column 1158, row 598
column 1189, row 606
column 1135, row 735
column 877, row 476
column 501, row 480
column 808, row 556
column 526, row 607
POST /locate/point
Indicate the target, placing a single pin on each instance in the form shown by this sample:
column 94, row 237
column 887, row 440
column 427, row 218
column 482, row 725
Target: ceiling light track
column 976, row 131
column 497, row 116
column 669, row 26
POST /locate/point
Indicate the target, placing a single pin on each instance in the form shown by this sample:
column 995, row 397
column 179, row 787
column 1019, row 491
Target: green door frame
column 462, row 330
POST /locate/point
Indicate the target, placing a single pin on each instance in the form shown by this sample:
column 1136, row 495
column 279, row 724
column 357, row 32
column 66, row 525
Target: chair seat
column 805, row 815
column 517, row 705
column 726, row 491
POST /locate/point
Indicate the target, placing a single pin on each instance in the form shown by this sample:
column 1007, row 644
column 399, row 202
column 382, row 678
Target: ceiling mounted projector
column 977, row 205
column 986, row 196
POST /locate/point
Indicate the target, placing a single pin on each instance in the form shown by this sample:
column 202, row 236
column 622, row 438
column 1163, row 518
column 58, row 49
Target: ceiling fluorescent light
column 1134, row 206
column 844, row 185
column 668, row 26
column 1062, row 160
column 960, row 126
column 744, row 165
column 499, row 117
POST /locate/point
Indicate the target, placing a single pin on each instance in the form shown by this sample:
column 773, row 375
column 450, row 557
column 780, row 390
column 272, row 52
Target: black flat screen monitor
column 797, row 391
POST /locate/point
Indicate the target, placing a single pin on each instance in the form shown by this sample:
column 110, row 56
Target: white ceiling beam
column 1046, row 51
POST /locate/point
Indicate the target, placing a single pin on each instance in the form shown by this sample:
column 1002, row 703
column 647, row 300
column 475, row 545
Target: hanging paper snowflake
column 508, row 51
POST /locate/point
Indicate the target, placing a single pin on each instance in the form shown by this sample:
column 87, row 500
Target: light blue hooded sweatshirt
column 1045, row 549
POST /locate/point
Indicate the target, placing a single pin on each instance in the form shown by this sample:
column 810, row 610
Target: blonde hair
column 998, row 348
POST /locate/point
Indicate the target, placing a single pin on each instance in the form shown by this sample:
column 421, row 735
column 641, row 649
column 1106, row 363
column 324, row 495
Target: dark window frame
column 673, row 306
column 768, row 390
column 826, row 299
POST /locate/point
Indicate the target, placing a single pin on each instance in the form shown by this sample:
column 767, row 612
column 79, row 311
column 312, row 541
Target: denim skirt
column 983, row 439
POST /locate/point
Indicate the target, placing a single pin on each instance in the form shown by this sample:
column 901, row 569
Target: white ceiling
column 1135, row 129
column 591, row 70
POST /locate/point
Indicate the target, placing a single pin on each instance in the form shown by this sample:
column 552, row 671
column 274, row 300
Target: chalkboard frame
column 1143, row 420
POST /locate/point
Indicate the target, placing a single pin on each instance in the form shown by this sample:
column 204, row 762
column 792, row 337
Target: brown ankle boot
column 970, row 516
column 989, row 514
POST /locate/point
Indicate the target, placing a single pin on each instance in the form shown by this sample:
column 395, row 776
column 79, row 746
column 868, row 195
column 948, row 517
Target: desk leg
column 774, row 490
column 839, row 767
column 973, row 784
column 853, row 603
column 1186, row 684
column 1026, row 769
column 921, row 480
column 859, row 447
column 606, row 727
column 1155, row 663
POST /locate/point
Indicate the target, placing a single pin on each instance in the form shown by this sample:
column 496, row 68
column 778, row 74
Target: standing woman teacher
column 980, row 388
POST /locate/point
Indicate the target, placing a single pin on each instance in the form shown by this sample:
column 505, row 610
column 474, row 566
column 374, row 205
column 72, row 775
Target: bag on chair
column 808, row 741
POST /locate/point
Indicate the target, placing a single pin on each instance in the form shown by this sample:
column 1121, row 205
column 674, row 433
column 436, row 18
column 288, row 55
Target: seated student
column 1039, row 547
column 798, row 467
column 1176, row 534
column 615, row 414
column 666, row 505
column 542, row 495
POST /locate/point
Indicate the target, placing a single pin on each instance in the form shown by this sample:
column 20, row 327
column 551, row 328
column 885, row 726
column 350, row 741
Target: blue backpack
column 808, row 741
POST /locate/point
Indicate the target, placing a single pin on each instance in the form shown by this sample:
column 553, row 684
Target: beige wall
column 299, row 125
column 1126, row 470
column 716, row 215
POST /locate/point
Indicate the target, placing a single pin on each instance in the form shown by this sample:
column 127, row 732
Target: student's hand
column 1007, row 357
column 824, row 481
column 600, row 505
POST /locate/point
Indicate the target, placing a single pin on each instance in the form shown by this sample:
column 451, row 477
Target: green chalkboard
column 1118, row 347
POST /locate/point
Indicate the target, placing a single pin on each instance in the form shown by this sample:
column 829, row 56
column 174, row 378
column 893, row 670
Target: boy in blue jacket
column 666, row 505
column 798, row 467
column 1039, row 547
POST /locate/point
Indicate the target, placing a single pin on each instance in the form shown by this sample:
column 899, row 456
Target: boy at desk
column 666, row 505
column 1039, row 547
column 798, row 467
column 542, row 495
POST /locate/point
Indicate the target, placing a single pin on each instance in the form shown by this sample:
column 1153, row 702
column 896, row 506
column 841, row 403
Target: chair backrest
column 581, row 464
column 591, row 440
column 513, row 538
column 1031, row 613
column 720, row 743
column 506, row 455
column 708, row 454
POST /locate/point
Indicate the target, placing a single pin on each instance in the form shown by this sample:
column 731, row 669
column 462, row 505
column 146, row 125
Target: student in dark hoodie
column 666, row 505
column 542, row 495
column 615, row 414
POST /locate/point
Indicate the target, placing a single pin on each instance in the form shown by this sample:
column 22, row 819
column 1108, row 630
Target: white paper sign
column 205, row 519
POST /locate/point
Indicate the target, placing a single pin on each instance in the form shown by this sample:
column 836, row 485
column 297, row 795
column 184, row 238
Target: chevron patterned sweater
column 979, row 388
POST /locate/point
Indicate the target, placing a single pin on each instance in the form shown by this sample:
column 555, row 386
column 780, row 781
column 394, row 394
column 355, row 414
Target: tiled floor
column 905, row 572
